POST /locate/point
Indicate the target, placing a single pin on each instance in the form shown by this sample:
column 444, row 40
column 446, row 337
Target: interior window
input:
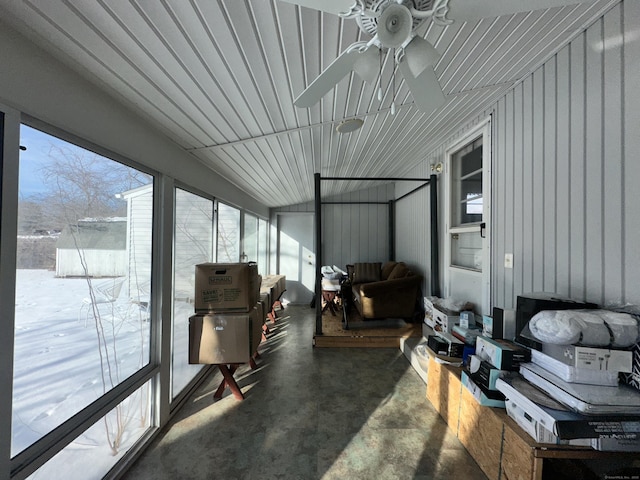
column 466, row 170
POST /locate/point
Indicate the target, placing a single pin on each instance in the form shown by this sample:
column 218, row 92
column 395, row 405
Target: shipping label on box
column 591, row 358
column 226, row 287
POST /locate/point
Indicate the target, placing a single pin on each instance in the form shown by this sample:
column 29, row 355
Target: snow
column 64, row 360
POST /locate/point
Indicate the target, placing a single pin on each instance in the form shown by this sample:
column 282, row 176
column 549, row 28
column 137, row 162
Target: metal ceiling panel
column 219, row 78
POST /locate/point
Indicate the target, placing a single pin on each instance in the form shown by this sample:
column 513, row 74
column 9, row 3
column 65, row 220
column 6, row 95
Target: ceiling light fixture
column 349, row 125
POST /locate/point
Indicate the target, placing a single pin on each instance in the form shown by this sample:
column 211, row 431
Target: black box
column 442, row 347
column 529, row 304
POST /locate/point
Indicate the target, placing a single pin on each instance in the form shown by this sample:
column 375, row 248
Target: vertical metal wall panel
column 612, row 225
column 563, row 173
column 537, row 186
column 630, row 148
column 518, row 207
column 594, row 163
column 565, row 176
column 507, row 229
column 577, row 127
column 499, row 200
column 549, row 175
column 412, row 224
column 527, row 187
column 352, row 232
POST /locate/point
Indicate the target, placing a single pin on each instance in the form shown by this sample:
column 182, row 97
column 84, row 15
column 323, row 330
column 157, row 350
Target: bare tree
column 83, row 184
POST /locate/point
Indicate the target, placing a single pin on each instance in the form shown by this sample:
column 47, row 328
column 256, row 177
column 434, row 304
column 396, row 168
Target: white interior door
column 467, row 213
column 296, row 256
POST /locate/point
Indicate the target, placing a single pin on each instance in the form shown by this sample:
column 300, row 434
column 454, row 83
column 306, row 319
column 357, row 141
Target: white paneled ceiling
column 220, row 77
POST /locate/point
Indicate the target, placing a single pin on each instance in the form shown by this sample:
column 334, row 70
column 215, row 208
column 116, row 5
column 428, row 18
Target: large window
column 193, row 244
column 85, row 329
column 249, row 239
column 82, row 298
column 263, row 227
column 228, row 235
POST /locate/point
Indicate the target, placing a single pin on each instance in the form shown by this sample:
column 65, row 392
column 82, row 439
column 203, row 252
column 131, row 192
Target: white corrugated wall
column 566, row 173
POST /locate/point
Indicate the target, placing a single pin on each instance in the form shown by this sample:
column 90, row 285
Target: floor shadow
column 325, row 413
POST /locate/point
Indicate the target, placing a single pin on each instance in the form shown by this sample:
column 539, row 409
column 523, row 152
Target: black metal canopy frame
column 432, row 182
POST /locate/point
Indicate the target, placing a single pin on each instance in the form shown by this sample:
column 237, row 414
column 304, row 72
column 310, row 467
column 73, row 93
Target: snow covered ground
column 64, row 360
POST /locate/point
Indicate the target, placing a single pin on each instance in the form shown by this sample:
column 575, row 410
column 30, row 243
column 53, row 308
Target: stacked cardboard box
column 493, row 359
column 570, row 394
column 227, row 325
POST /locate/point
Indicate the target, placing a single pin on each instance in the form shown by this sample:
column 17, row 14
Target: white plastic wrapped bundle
column 329, row 273
column 596, row 328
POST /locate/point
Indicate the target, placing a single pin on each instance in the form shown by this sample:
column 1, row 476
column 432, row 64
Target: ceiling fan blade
column 425, row 88
column 464, row 10
column 365, row 65
column 335, row 7
column 420, row 54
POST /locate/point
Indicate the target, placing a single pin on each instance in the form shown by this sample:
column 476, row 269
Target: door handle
column 483, row 227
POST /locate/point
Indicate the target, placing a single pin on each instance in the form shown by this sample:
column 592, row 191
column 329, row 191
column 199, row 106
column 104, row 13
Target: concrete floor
column 350, row 413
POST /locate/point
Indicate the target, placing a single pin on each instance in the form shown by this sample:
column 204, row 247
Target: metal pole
column 435, row 257
column 318, row 293
column 392, row 230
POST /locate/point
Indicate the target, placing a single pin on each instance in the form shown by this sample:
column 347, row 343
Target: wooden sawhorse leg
column 228, row 381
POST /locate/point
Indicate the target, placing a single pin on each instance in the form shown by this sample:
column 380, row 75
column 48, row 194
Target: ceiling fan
column 392, row 24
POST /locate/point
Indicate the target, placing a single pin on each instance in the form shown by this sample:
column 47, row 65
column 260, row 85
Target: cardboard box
column 591, row 358
column 486, row 398
column 428, row 312
column 536, row 430
column 467, row 318
column 444, row 320
column 483, row 373
column 501, row 325
column 223, row 338
column 568, row 373
column 617, row 443
column 443, row 347
column 502, row 354
column 226, row 287
column 565, row 424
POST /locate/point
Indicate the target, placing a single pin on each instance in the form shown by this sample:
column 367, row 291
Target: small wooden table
column 329, row 297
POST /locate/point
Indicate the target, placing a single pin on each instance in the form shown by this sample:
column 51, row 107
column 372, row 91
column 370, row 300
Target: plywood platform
column 383, row 334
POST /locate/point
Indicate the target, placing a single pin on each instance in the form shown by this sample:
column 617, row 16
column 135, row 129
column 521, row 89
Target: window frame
column 40, row 452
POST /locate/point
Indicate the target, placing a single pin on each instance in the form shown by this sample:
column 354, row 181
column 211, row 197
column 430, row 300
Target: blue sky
column 32, row 160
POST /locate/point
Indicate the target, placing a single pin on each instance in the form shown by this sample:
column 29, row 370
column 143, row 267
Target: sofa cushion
column 366, row 272
column 386, row 269
column 399, row 271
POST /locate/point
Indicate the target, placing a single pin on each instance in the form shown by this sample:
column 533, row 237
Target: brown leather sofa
column 388, row 290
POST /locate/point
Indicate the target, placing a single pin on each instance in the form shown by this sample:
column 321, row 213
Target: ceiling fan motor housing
column 369, row 25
